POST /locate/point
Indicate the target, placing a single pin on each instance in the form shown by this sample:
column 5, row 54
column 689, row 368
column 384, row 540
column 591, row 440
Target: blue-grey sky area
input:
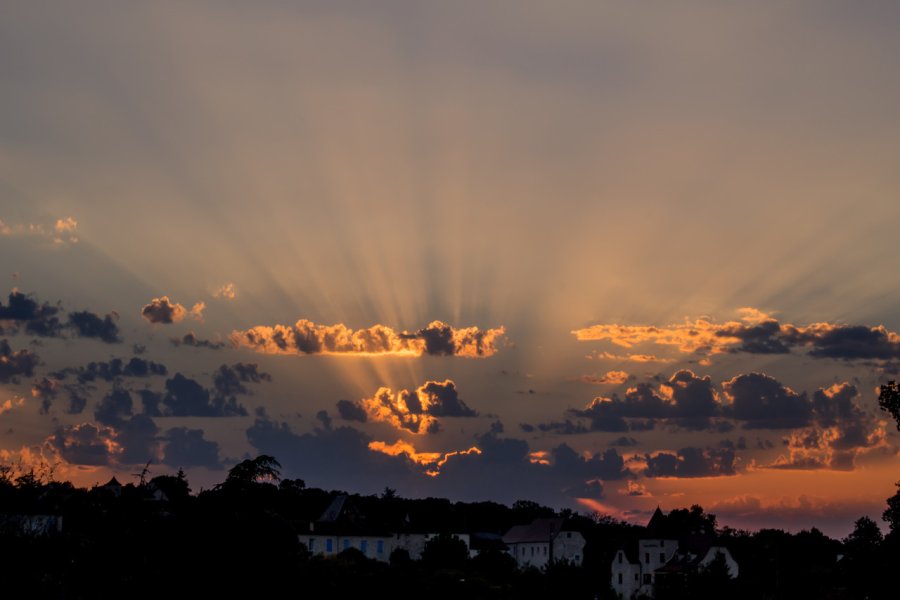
column 600, row 255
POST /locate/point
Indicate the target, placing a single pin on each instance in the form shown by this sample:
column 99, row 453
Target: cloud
column 191, row 339
column 761, row 402
column 685, row 400
column 305, row 337
column 90, row 325
column 47, row 390
column 756, row 333
column 36, row 318
column 10, row 403
column 61, row 232
column 15, row 364
column 187, row 448
column 185, row 397
column 841, row 431
column 114, row 408
column 416, row 411
column 624, row 441
column 351, row 411
column 691, row 462
column 431, row 461
column 225, row 292
column 164, row 311
column 230, row 380
column 610, row 378
column 85, row 444
column 113, row 369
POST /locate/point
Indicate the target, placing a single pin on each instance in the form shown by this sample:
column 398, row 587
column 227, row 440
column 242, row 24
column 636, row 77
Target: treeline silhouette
column 155, row 539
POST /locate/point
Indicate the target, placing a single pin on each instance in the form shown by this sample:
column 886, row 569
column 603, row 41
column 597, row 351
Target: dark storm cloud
column 23, row 311
column 684, row 400
column 566, row 427
column 16, row 363
column 186, row 398
column 84, row 444
column 761, row 402
column 114, row 408
column 113, row 369
column 188, row 448
column 138, row 439
column 89, row 325
column 691, row 462
column 351, row 411
column 191, row 339
column 624, row 442
column 48, row 390
column 150, row 402
column 230, row 380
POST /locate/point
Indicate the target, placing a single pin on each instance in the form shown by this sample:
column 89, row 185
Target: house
column 659, row 557
column 342, row 527
column 112, row 487
column 544, row 541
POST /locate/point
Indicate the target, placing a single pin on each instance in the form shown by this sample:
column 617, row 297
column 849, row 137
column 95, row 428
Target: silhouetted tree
column 889, row 400
column 445, row 551
column 263, row 468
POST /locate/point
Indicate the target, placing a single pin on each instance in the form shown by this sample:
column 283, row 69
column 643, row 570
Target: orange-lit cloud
column 225, row 292
column 10, row 403
column 756, row 333
column 432, row 461
column 305, row 337
column 63, row 231
column 638, row 358
column 841, row 432
column 164, row 311
column 414, row 410
column 610, row 378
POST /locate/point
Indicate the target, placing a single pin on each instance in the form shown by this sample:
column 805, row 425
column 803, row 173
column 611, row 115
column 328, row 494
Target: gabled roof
column 539, row 530
column 334, row 510
column 112, row 483
column 657, row 524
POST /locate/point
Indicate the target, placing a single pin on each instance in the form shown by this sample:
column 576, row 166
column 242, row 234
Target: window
column 620, row 558
column 635, row 576
column 620, row 579
column 648, row 578
column 532, row 550
column 329, row 545
column 364, row 546
column 647, row 557
column 312, row 544
column 379, row 546
column 568, row 534
column 545, row 550
column 662, row 557
column 346, row 543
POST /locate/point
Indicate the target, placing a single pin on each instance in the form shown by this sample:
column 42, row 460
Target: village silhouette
column 257, row 535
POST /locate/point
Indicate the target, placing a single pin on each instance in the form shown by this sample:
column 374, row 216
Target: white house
column 341, row 527
column 635, row 571
column 542, row 542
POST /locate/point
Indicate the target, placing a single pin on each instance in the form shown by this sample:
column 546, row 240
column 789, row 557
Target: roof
column 657, row 524
column 539, row 530
column 334, row 510
column 112, row 483
column 631, row 552
column 486, row 541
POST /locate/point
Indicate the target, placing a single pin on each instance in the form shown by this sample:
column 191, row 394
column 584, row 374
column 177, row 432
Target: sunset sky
column 601, row 255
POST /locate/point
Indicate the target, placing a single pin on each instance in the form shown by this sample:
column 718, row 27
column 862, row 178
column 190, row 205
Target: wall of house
column 626, row 576
column 377, row 547
column 569, row 546
column 531, row 554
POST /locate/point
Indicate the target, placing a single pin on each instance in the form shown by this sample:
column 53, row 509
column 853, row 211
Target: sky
column 600, row 255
